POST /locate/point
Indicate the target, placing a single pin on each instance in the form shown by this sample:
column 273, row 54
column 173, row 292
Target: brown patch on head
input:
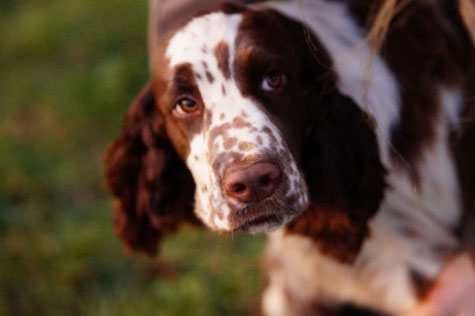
column 221, row 51
column 181, row 82
column 246, row 146
column 209, row 76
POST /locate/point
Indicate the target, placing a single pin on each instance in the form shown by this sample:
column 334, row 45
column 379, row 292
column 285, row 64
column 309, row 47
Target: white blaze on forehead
column 195, row 42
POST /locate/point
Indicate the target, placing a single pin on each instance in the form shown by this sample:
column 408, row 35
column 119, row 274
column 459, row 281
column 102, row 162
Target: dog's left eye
column 273, row 81
column 186, row 105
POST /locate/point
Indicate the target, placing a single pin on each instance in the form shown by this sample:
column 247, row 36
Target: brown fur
column 222, row 56
column 346, row 183
column 141, row 169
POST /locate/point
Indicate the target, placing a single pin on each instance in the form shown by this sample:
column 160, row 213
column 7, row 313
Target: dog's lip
column 273, row 219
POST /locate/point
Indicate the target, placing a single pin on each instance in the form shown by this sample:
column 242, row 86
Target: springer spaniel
column 281, row 118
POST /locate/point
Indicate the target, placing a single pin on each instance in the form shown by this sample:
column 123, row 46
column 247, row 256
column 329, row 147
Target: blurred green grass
column 68, row 70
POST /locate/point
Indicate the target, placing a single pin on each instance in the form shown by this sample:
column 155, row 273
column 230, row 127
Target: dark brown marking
column 221, row 51
column 140, row 173
column 183, row 83
column 331, row 229
column 209, row 76
column 223, row 89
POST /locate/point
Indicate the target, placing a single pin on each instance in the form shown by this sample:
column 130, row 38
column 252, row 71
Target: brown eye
column 273, row 81
column 186, row 105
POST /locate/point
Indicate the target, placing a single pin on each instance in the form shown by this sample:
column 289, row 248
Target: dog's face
column 231, row 92
column 242, row 125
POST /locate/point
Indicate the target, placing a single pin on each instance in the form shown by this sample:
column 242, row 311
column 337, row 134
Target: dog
column 282, row 118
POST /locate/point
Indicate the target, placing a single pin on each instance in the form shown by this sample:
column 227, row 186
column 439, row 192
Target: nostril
column 238, row 188
column 265, row 180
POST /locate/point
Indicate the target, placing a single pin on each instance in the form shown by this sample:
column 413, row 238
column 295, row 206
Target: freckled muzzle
column 247, row 178
column 261, row 191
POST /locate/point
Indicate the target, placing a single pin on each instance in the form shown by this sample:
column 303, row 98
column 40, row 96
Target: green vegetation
column 68, row 70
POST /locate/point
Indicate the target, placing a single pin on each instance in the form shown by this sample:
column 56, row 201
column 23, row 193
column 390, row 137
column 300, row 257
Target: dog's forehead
column 195, row 42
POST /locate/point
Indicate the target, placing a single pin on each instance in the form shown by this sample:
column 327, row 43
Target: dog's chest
column 381, row 278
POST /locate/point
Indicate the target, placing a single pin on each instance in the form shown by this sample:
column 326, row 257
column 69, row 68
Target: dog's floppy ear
column 152, row 187
column 345, row 178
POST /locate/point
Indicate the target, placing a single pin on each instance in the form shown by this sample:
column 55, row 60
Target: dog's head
column 227, row 128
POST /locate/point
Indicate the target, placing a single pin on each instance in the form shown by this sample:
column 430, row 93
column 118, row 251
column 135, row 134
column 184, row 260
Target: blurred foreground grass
column 68, row 70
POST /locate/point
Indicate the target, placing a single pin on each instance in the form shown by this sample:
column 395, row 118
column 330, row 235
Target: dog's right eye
column 186, row 105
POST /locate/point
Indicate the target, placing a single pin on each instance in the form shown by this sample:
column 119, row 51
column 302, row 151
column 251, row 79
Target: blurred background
column 68, row 70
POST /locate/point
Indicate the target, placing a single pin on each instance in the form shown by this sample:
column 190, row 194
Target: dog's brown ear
column 152, row 187
column 345, row 178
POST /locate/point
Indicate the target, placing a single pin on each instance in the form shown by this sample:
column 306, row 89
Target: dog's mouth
column 264, row 223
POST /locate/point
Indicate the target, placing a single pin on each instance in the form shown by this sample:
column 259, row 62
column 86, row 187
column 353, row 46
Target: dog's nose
column 253, row 183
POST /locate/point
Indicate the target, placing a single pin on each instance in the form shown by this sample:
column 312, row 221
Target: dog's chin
column 265, row 218
column 263, row 224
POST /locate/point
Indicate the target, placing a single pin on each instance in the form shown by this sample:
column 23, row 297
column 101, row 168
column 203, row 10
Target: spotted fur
column 374, row 151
